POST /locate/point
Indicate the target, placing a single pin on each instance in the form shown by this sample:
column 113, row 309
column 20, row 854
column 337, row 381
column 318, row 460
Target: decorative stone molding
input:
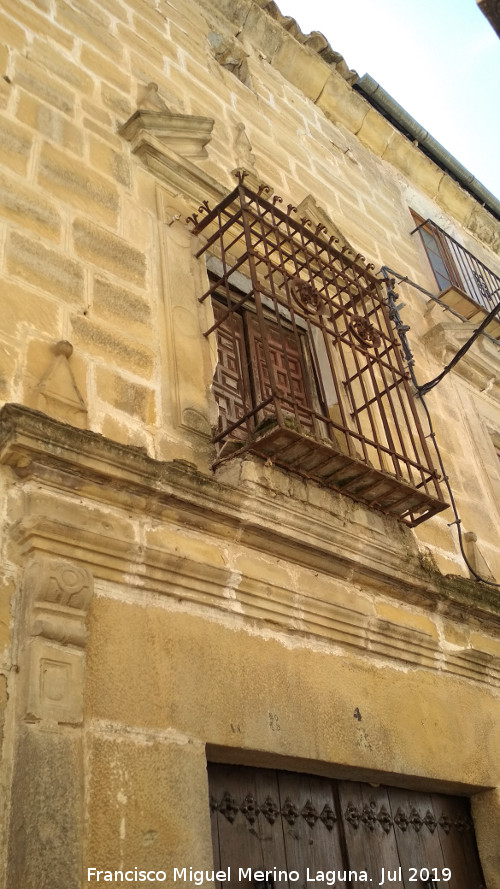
column 243, row 149
column 231, row 55
column 312, row 534
column 309, row 209
column 149, row 98
column 185, row 318
column 310, row 64
column 56, row 393
column 185, row 134
column 272, row 514
column 57, row 596
column 46, row 824
column 167, row 144
column 201, row 579
column 60, row 593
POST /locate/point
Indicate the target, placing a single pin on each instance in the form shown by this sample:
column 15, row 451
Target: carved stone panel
column 55, row 686
column 57, row 597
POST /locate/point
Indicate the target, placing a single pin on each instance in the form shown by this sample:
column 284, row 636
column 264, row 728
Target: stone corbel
column 57, row 598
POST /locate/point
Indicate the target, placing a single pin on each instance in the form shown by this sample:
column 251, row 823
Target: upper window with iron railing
column 458, row 269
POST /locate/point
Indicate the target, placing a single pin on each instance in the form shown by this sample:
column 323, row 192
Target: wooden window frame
column 442, row 251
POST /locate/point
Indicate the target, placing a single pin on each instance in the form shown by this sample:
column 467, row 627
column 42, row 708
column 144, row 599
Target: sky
column 440, row 59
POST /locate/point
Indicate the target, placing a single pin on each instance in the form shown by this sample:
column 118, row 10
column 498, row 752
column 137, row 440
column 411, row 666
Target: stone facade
column 153, row 612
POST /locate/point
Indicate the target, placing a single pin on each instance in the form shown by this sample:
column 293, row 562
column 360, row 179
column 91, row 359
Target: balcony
column 310, row 375
column 466, row 284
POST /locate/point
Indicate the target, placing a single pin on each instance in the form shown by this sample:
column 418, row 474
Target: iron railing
column 462, row 269
column 310, row 373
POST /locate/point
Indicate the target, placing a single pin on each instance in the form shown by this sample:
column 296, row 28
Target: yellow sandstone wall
column 218, row 604
column 85, row 259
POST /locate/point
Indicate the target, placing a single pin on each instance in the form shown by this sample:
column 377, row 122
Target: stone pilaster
column 46, row 829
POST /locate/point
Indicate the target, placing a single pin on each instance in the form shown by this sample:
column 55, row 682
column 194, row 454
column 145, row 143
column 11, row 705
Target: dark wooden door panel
column 310, row 826
column 231, row 383
column 370, row 840
column 268, row 820
column 248, row 823
column 416, row 831
column 458, row 842
column 287, row 359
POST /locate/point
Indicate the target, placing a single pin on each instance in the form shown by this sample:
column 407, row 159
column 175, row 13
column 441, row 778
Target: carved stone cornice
column 161, row 570
column 307, row 526
column 167, row 144
column 185, row 134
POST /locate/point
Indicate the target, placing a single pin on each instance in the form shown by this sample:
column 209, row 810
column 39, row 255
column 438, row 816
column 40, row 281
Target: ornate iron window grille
column 310, row 372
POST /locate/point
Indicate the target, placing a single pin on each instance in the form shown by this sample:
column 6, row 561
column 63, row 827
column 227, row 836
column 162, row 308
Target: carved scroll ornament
column 60, row 593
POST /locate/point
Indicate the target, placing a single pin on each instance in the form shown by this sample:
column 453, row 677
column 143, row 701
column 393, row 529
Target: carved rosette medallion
column 365, row 332
column 306, row 297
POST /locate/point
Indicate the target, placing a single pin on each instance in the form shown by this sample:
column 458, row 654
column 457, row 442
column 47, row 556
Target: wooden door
column 286, row 352
column 276, row 821
column 368, row 829
column 231, row 382
column 247, row 829
column 299, row 827
column 241, row 380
